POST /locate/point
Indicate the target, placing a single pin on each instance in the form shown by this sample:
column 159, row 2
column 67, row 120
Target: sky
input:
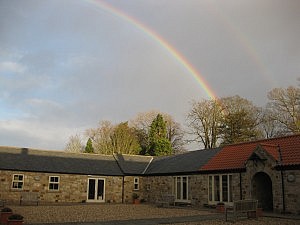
column 65, row 65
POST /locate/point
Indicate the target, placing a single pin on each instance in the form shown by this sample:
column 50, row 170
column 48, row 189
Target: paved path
column 149, row 221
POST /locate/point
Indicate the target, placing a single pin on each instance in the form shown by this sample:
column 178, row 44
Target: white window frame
column 179, row 180
column 96, row 198
column 136, row 183
column 54, row 182
column 17, row 181
column 212, row 189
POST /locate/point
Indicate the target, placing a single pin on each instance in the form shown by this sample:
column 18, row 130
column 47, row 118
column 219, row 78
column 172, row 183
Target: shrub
column 15, row 217
column 135, row 196
column 6, row 209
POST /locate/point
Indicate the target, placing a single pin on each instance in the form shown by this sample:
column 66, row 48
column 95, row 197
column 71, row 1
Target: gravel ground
column 98, row 212
column 43, row 214
column 259, row 221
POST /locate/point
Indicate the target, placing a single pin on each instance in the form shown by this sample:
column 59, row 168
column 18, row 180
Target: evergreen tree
column 158, row 141
column 89, row 146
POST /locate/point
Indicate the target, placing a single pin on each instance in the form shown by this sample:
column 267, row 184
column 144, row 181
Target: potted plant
column 220, row 207
column 135, row 198
column 5, row 213
column 15, row 219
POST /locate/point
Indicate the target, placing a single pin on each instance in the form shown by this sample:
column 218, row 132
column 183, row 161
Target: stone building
column 267, row 170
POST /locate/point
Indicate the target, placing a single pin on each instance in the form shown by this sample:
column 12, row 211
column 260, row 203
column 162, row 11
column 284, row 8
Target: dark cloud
column 66, row 65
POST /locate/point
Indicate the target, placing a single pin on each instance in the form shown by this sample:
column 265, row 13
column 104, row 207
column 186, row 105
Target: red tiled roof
column 235, row 156
column 272, row 150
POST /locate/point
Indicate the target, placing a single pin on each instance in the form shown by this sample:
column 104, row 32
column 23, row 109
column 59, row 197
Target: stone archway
column 262, row 190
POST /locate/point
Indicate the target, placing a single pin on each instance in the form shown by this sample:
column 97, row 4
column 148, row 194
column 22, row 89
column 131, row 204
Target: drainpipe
column 282, row 180
column 123, row 182
column 241, row 189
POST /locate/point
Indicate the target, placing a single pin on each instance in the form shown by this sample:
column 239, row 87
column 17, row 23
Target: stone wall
column 265, row 166
column 72, row 187
column 292, row 191
column 291, row 183
column 155, row 186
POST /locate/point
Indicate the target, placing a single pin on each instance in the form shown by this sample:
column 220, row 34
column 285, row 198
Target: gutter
column 241, row 189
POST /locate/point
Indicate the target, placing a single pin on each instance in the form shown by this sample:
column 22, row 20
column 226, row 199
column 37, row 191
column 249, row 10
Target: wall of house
column 129, row 188
column 265, row 166
column 292, row 191
column 155, row 186
column 72, row 187
column 291, row 181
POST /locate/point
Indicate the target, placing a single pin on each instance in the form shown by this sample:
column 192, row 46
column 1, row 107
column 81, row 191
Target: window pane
column 54, row 179
column 15, row 185
column 210, row 188
column 91, row 191
column 224, row 188
column 230, row 188
column 178, row 188
column 100, row 192
column 17, row 181
column 217, row 188
column 20, row 185
column 184, row 188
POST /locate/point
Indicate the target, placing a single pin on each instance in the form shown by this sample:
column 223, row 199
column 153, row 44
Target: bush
column 15, row 217
column 6, row 209
column 135, row 196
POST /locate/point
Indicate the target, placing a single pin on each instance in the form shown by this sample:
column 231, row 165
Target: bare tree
column 285, row 107
column 175, row 134
column 101, row 137
column 74, row 144
column 269, row 127
column 203, row 121
column 240, row 120
column 124, row 140
column 109, row 139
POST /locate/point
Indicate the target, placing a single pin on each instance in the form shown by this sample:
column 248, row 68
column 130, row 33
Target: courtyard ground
column 110, row 214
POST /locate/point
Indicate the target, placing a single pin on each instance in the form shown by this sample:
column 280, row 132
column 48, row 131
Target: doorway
column 181, row 189
column 262, row 190
column 96, row 190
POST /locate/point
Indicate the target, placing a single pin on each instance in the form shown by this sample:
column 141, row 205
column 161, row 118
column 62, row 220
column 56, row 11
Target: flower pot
column 220, row 208
column 136, row 201
column 259, row 212
column 251, row 214
column 4, row 217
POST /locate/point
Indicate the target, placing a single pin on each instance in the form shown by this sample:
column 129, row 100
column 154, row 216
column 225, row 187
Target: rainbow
column 160, row 40
column 244, row 42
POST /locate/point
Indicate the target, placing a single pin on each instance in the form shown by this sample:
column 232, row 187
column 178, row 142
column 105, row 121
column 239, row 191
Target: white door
column 181, row 189
column 96, row 190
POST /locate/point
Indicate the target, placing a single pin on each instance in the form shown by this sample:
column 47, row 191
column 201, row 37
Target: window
column 53, row 183
column 18, row 181
column 220, row 188
column 181, row 188
column 136, row 183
